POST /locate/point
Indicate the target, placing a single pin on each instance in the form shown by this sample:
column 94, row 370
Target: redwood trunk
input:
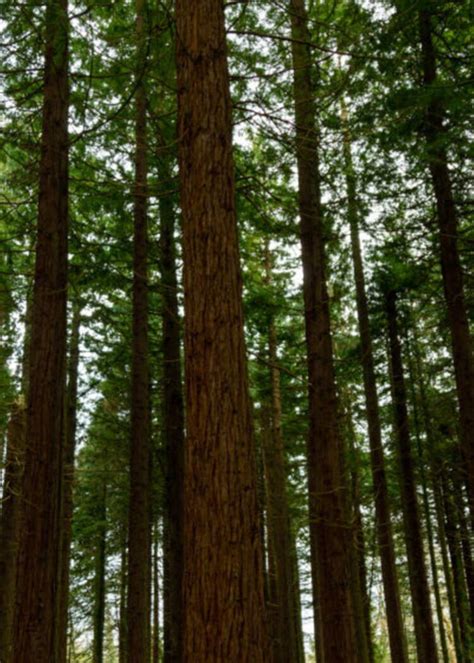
column 173, row 422
column 39, row 549
column 420, row 594
column 10, row 524
column 329, row 529
column 223, row 575
column 99, row 578
column 286, row 645
column 139, row 544
column 451, row 268
column 68, row 484
column 383, row 514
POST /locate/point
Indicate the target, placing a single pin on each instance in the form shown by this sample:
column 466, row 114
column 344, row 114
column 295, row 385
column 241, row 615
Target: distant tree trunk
column 446, row 565
column 435, row 476
column 69, row 443
column 361, row 597
column 383, row 515
column 451, row 268
column 421, row 602
column 223, row 575
column 329, row 529
column 10, row 524
column 99, row 578
column 465, row 540
column 173, row 420
column 156, row 600
column 286, row 649
column 415, row 378
column 123, row 604
column 39, row 548
column 139, row 545
column 459, row 583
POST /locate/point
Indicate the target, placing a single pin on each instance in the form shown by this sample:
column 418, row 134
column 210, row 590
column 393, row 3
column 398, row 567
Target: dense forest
column 236, row 370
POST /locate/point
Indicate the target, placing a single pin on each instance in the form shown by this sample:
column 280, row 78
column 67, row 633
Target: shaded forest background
column 123, row 455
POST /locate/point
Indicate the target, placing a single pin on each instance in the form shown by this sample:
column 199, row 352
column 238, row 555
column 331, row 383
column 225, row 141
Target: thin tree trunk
column 413, row 378
column 99, row 579
column 383, row 514
column 421, row 603
column 459, row 583
column 451, row 268
column 68, row 484
column 223, row 574
column 139, row 551
column 39, row 548
column 278, row 517
column 465, row 539
column 156, row 600
column 173, row 421
column 435, row 476
column 123, row 650
column 329, row 530
column 362, row 600
column 10, row 525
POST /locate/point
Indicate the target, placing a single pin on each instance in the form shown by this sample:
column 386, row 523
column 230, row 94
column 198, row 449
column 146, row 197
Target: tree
column 330, row 541
column 139, row 523
column 223, row 577
column 39, row 547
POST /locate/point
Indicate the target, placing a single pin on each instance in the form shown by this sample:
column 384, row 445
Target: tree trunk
column 459, row 583
column 465, row 539
column 383, row 514
column 421, row 602
column 123, row 649
column 361, row 597
column 451, row 268
column 10, row 525
column 139, row 550
column 69, row 443
column 278, row 524
column 415, row 378
column 156, row 600
column 173, row 420
column 223, row 574
column 329, row 529
column 99, row 579
column 39, row 549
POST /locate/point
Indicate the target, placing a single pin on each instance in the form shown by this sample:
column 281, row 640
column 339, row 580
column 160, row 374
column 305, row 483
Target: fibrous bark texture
column 329, row 527
column 39, row 551
column 223, row 576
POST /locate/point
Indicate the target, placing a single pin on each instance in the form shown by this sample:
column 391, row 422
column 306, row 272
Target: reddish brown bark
column 284, row 595
column 69, row 443
column 173, row 421
column 223, row 576
column 382, row 504
column 139, row 544
column 10, row 523
column 39, row 549
column 451, row 267
column 329, row 527
column 420, row 594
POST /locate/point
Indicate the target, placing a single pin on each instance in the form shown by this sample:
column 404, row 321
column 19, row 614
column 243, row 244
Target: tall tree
column 329, row 528
column 139, row 523
column 173, row 417
column 379, row 477
column 39, row 549
column 67, row 498
column 453, row 279
column 286, row 644
column 223, row 575
column 420, row 594
column 10, row 524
